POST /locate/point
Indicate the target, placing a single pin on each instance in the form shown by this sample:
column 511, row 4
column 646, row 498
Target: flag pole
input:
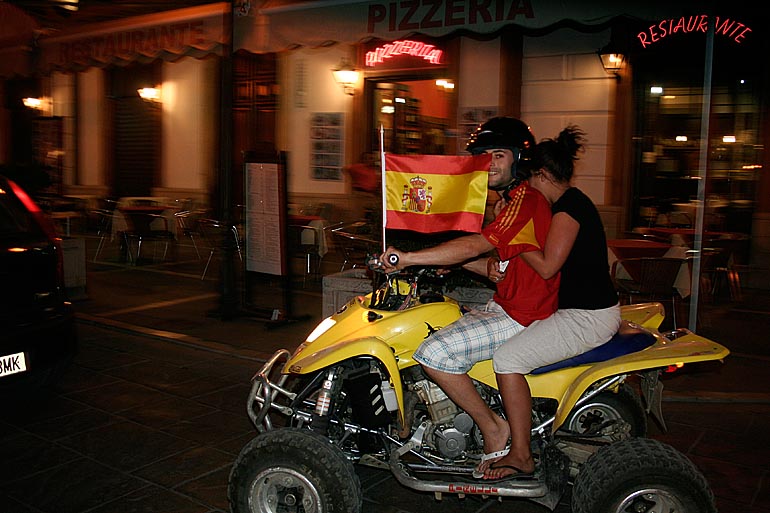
column 384, row 192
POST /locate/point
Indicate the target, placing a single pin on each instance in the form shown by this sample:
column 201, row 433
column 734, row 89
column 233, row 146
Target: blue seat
column 618, row 345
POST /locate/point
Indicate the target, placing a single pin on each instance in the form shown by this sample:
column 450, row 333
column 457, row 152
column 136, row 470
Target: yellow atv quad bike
column 352, row 394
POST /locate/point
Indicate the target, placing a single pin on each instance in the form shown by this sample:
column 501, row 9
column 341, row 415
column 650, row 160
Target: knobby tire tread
column 636, row 460
column 343, row 483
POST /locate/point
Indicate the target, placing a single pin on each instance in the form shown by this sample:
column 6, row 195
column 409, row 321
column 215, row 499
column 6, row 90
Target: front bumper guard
column 263, row 392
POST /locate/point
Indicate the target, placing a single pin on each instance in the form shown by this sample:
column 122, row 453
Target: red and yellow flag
column 436, row 193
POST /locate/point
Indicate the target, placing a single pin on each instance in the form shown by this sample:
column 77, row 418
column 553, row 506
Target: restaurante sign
column 731, row 29
column 173, row 36
column 192, row 31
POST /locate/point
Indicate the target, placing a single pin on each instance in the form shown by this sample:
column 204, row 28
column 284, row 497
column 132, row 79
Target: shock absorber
column 324, row 403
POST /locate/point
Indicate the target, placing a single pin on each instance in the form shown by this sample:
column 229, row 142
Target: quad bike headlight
column 319, row 330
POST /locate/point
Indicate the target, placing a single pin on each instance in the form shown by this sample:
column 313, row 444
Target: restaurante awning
column 170, row 35
column 288, row 24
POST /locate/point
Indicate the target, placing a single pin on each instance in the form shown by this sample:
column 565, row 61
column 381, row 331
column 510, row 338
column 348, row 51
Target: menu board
column 264, row 204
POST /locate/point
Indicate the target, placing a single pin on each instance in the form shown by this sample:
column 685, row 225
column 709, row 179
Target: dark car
column 37, row 327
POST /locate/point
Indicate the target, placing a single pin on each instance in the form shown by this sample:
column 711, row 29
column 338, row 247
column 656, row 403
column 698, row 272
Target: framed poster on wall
column 326, row 152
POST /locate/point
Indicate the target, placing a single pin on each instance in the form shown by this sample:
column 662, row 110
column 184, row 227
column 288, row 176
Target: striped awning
column 287, row 24
column 170, row 35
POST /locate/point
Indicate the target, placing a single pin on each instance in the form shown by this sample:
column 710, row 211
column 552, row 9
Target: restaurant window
column 136, row 126
column 414, row 115
column 669, row 104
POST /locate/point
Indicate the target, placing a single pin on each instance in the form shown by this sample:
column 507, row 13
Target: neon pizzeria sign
column 425, row 51
column 732, row 29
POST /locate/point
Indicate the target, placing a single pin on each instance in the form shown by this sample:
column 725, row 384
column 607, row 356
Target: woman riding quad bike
column 351, row 394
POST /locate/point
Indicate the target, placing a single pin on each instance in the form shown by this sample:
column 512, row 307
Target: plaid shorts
column 471, row 339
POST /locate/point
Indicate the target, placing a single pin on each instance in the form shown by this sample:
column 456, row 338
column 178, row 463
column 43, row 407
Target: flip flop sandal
column 477, row 474
column 517, row 474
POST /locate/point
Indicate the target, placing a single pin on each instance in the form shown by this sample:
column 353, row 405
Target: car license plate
column 12, row 364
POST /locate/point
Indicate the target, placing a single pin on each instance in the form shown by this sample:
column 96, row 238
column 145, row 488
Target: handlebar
column 375, row 264
column 401, row 289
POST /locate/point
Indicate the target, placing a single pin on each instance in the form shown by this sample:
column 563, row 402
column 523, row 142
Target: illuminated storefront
column 429, row 72
column 675, row 137
column 539, row 61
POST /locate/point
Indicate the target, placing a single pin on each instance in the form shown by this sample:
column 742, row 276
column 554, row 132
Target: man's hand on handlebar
column 392, row 260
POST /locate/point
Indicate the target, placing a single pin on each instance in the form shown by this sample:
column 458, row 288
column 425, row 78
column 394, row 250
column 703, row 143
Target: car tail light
column 46, row 225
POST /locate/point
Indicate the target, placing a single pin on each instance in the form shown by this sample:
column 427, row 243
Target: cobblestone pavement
column 152, row 414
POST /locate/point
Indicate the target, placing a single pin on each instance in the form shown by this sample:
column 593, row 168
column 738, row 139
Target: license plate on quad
column 12, row 364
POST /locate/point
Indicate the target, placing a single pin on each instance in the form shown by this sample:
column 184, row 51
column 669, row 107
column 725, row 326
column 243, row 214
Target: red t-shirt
column 520, row 227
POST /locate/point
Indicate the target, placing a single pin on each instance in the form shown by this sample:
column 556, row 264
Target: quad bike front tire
column 293, row 469
column 625, row 405
column 641, row 475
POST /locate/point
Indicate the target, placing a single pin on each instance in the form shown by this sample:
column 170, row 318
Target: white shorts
column 471, row 339
column 564, row 334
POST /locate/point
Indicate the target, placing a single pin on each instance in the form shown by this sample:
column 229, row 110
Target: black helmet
column 505, row 133
column 502, row 132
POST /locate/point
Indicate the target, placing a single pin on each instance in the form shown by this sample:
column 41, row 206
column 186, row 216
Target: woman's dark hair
column 558, row 155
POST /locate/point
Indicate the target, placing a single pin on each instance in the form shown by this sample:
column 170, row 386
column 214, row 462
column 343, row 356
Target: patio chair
column 648, row 279
column 304, row 243
column 213, row 232
column 353, row 247
column 145, row 227
column 103, row 222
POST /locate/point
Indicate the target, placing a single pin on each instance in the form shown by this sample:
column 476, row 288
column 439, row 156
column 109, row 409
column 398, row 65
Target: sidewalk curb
column 170, row 336
column 716, row 397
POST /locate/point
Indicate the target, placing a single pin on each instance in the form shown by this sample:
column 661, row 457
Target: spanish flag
column 435, row 193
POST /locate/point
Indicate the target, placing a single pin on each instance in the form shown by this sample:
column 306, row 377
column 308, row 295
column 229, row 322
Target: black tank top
column 585, row 275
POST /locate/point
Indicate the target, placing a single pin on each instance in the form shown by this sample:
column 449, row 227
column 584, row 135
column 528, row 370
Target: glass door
column 414, row 116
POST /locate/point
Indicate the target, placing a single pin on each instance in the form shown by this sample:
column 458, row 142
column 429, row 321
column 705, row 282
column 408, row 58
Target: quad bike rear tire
column 640, row 474
column 293, row 469
column 625, row 405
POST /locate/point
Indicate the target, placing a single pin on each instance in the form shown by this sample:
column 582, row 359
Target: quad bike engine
column 451, row 427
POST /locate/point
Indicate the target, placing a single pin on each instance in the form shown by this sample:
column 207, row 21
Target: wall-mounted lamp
column 445, row 83
column 33, row 103
column 67, row 5
column 150, row 94
column 346, row 76
column 612, row 59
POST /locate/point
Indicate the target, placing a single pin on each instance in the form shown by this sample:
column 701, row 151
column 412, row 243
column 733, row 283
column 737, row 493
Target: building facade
column 681, row 124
